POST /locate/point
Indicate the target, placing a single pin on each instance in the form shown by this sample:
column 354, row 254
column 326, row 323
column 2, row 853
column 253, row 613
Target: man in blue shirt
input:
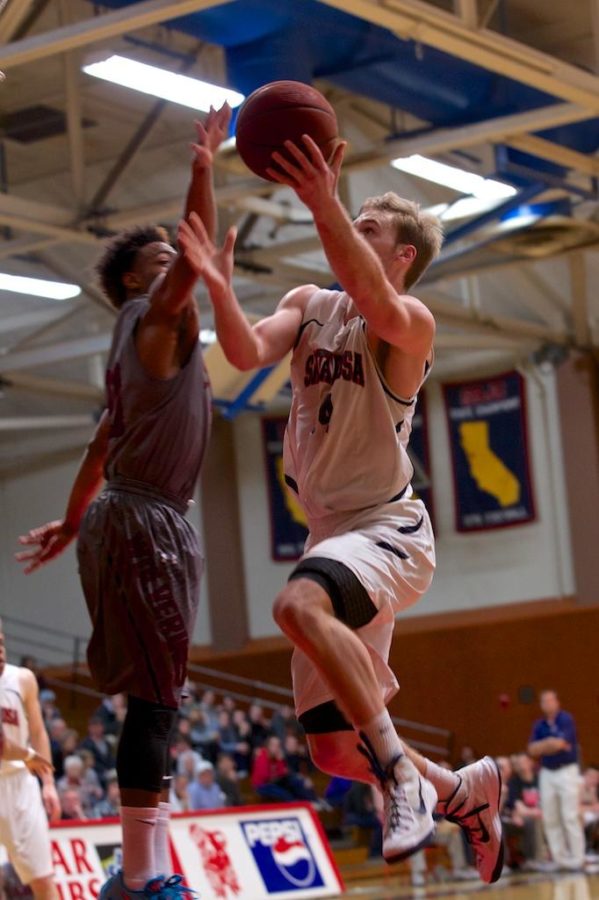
column 555, row 744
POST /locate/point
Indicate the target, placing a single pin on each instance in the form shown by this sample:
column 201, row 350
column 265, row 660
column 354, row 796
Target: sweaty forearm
column 355, row 264
column 200, row 199
column 235, row 334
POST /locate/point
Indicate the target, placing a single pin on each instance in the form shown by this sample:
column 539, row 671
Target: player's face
column 378, row 230
column 152, row 260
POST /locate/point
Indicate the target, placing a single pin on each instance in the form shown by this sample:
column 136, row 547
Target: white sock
column 381, row 733
column 443, row 780
column 139, row 827
column 162, row 853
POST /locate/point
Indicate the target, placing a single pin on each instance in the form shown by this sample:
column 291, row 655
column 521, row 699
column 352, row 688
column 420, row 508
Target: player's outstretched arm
column 246, row 346
column 200, row 195
column 51, row 539
column 399, row 320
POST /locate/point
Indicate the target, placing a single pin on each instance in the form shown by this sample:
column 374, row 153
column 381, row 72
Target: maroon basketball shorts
column 140, row 564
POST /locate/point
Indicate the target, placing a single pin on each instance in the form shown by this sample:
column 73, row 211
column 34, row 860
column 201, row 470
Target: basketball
column 283, row 111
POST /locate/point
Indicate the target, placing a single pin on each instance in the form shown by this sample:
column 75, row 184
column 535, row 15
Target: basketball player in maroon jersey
column 360, row 355
column 140, row 560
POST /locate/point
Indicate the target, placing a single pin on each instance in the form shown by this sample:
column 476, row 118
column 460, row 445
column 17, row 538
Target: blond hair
column 414, row 226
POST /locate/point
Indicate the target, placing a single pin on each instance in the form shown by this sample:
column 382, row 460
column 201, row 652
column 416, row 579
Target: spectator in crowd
column 110, row 806
column 554, row 742
column 204, row 737
column 243, row 750
column 359, row 810
column 228, row 704
column 228, row 780
column 448, row 835
column 506, row 770
column 69, row 743
column 296, row 754
column 57, row 729
column 48, row 705
column 467, row 757
column 112, row 712
column 85, row 783
column 30, row 662
column 186, row 758
column 209, row 710
column 589, row 805
column 204, row 792
column 271, row 778
column 96, row 742
column 178, row 796
column 522, row 812
column 284, row 722
column 258, row 726
column 227, row 733
column 70, row 805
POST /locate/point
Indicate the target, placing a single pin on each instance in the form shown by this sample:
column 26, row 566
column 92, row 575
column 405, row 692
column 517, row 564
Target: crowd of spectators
column 220, row 755
column 223, row 754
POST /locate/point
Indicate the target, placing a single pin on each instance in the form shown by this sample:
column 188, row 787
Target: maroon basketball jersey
column 159, row 428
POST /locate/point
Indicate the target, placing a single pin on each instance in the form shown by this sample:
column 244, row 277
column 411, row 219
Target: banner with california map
column 288, row 526
column 489, row 452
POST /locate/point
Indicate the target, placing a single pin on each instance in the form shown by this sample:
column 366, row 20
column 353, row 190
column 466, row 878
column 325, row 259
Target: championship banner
column 418, row 451
column 288, row 526
column 489, row 451
column 244, row 853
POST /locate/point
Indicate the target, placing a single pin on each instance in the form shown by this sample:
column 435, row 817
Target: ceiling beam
column 13, row 16
column 427, row 24
column 37, row 384
column 442, row 140
column 132, row 17
column 564, row 156
column 580, row 299
column 74, row 115
column 23, row 246
column 28, row 319
column 29, row 423
column 62, row 351
column 467, row 11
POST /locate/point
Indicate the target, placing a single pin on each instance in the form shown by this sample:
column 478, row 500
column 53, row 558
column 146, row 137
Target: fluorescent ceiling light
column 38, row 287
column 452, row 177
column 161, row 83
column 462, row 208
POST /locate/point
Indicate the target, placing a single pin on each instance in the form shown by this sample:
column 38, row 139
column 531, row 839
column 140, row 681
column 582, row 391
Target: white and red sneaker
column 474, row 806
column 409, row 801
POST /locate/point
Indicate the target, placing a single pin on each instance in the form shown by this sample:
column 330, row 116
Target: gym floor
column 515, row 887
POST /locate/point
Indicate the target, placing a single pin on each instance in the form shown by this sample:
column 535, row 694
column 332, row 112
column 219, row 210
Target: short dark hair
column 119, row 257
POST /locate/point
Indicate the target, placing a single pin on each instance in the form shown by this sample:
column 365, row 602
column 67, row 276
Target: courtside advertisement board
column 247, row 853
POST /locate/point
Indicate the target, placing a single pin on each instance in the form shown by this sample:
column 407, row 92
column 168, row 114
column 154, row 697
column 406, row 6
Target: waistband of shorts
column 131, row 486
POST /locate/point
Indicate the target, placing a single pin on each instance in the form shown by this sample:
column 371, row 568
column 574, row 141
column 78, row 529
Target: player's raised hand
column 214, row 264
column 210, row 135
column 313, row 179
column 47, row 542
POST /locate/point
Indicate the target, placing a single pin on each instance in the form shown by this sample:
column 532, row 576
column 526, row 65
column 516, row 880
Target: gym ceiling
column 502, row 88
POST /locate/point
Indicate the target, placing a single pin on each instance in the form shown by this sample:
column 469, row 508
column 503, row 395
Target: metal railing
column 67, row 649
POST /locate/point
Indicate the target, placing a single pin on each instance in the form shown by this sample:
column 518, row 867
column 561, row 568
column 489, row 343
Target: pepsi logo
column 282, row 854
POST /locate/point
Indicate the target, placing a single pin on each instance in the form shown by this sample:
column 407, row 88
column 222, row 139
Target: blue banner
column 489, row 451
column 288, row 527
column 418, row 451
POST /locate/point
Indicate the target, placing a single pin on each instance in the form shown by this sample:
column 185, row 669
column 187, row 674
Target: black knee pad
column 141, row 761
column 349, row 597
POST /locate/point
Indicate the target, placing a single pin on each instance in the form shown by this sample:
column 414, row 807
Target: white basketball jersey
column 12, row 712
column 346, row 439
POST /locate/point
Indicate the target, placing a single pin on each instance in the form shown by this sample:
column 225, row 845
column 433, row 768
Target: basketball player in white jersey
column 360, row 356
column 23, row 822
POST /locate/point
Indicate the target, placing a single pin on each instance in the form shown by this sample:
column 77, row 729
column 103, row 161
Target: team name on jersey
column 323, row 365
column 10, row 716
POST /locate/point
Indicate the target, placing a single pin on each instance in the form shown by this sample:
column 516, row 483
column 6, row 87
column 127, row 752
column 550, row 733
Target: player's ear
column 406, row 252
column 131, row 281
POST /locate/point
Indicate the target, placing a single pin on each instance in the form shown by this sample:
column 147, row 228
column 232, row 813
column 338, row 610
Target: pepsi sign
column 282, row 854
